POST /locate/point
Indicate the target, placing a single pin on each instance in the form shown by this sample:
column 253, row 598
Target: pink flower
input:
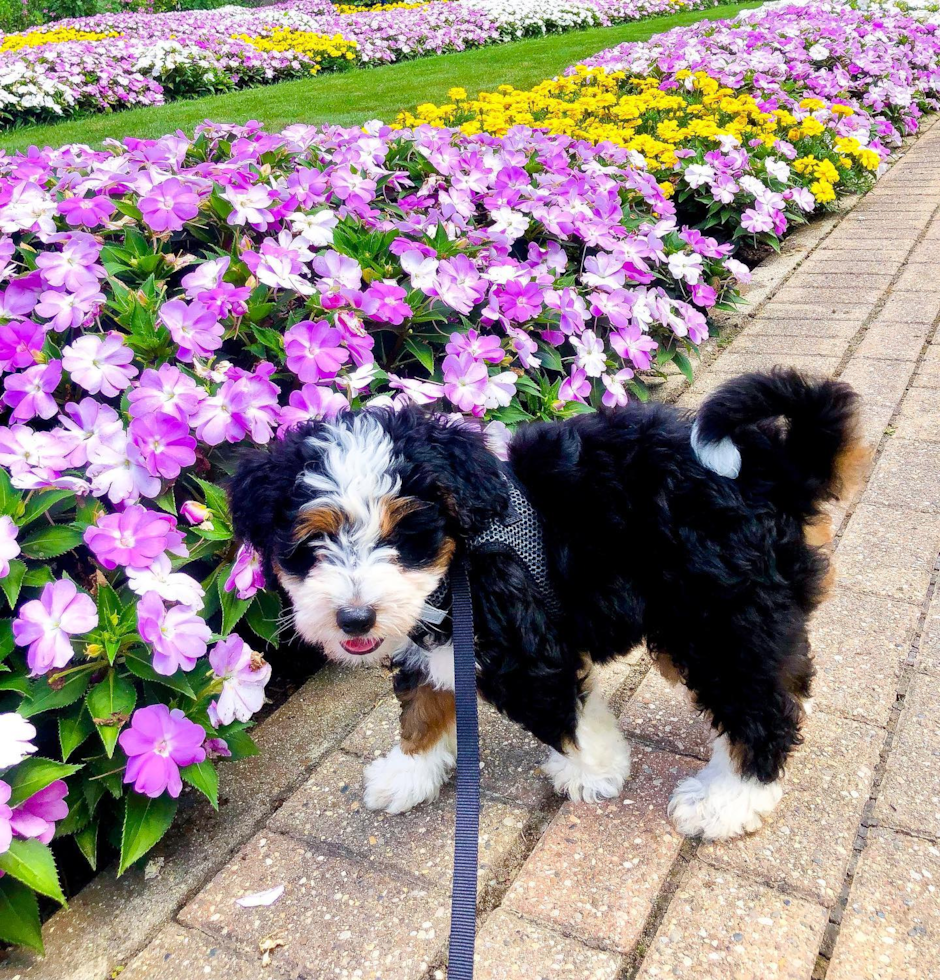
column 464, row 381
column 30, row 393
column 85, row 427
column 75, row 266
column 9, row 548
column 134, row 537
column 117, row 468
column 757, row 221
column 36, row 816
column 385, row 302
column 66, row 310
column 165, row 443
column 479, row 347
column 224, row 416
column 195, row 512
column 86, row 212
column 101, row 365
column 246, row 576
column 157, row 743
column 178, row 636
column 244, row 675
column 46, row 625
column 311, row 402
column 419, row 392
column 194, row 327
column 165, row 390
column 313, row 350
column 519, row 301
column 169, row 205
column 615, row 394
column 634, row 345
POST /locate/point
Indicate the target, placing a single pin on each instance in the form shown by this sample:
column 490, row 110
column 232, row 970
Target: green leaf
column 33, row 864
column 549, row 357
column 167, row 501
column 10, row 497
column 41, row 502
column 684, row 365
column 423, row 352
column 12, row 584
column 144, row 670
column 74, row 728
column 87, row 840
column 204, row 777
column 145, row 822
column 216, row 500
column 263, row 615
column 19, row 915
column 104, row 774
column 50, row 542
column 241, row 745
column 6, row 638
column 233, row 608
column 42, row 697
column 38, row 577
column 77, row 817
column 110, row 704
column 35, row 774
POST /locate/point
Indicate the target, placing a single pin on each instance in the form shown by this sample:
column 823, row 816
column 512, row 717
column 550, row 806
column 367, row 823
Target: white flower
column 16, row 735
column 778, row 169
column 510, row 223
column 315, row 229
column 818, row 52
column 9, row 547
column 169, row 585
column 687, row 267
column 698, row 174
column 591, row 355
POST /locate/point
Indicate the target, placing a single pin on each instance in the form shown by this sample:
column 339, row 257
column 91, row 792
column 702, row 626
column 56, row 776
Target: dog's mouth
column 360, row 645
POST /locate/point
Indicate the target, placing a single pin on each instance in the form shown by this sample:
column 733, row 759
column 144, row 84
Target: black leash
column 463, row 908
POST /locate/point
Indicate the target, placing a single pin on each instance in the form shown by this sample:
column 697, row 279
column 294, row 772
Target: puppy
column 701, row 536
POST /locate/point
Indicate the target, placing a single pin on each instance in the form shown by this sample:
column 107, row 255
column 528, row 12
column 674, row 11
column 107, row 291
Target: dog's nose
column 355, row 620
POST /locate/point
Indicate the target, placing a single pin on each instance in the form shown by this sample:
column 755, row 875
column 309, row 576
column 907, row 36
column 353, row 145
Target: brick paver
column 847, row 867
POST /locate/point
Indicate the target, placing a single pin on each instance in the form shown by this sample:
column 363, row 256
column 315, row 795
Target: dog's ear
column 261, row 491
column 450, row 464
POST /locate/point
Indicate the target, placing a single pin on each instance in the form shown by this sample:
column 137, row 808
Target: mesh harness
column 519, row 532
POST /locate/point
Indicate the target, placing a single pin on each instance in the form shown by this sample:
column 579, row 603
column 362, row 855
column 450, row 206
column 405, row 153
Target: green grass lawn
column 360, row 94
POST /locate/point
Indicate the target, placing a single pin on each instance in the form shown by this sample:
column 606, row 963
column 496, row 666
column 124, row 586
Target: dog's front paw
column 397, row 782
column 577, row 779
column 721, row 808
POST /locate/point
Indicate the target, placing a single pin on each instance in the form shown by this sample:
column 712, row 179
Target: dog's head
column 358, row 519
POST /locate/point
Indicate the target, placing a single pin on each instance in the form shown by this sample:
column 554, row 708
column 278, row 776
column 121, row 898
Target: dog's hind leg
column 595, row 762
column 754, row 702
column 415, row 770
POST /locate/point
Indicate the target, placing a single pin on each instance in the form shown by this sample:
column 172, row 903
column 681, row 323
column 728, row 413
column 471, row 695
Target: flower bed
column 752, row 123
column 151, row 59
column 166, row 301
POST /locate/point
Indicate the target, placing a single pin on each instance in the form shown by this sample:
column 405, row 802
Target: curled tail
column 816, row 455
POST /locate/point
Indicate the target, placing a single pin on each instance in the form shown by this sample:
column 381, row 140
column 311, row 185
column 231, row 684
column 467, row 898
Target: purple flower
column 217, row 748
column 634, row 345
column 101, row 365
column 66, row 310
column 384, row 301
column 169, row 205
column 244, row 675
column 46, row 624
column 223, row 417
column 86, row 427
column 30, row 393
column 193, row 327
column 133, row 537
column 459, row 284
column 36, row 816
column 86, row 212
column 117, row 468
column 165, row 390
column 178, row 636
column 9, row 547
column 519, row 301
column 337, row 272
column 576, row 387
column 479, row 347
column 313, row 350
column 75, row 266
column 6, row 818
column 311, row 402
column 20, row 343
column 757, row 221
column 195, row 512
column 157, row 743
column 615, row 394
column 464, row 381
column 419, row 392
column 165, row 443
column 246, row 576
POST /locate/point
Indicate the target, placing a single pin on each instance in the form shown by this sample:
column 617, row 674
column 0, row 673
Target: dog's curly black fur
column 644, row 542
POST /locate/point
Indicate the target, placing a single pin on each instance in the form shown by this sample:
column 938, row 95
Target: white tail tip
column 722, row 457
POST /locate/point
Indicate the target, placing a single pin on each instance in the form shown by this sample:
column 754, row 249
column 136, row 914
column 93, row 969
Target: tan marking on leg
column 427, row 716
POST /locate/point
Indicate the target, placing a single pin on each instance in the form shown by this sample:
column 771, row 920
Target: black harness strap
column 463, row 909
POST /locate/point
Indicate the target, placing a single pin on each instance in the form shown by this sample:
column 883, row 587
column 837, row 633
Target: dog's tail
column 817, row 454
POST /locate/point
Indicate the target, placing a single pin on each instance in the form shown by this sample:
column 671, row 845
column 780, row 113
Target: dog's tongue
column 360, row 644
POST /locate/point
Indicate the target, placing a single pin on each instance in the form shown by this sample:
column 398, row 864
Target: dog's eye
column 417, row 536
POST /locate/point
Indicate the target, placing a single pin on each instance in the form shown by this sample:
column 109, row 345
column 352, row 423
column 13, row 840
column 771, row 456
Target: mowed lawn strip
column 364, row 93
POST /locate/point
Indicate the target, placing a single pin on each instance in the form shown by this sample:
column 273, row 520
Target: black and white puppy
column 702, row 536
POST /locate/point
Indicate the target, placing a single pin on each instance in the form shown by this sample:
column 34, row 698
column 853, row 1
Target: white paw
column 573, row 777
column 718, row 803
column 397, row 782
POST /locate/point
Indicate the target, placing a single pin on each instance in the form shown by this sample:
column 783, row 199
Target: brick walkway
column 841, row 883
